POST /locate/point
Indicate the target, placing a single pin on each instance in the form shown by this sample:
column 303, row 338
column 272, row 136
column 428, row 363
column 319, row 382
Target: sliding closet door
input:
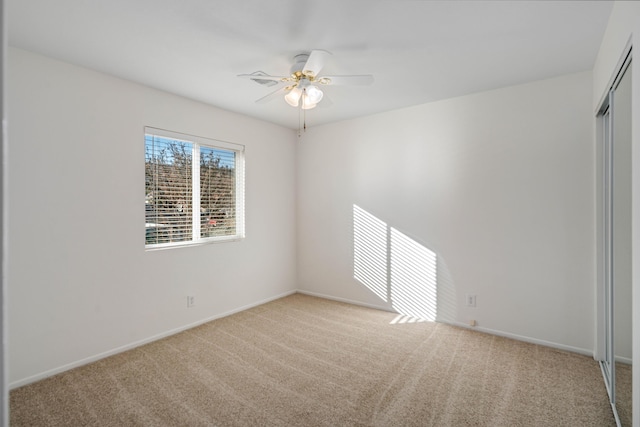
column 4, row 394
column 621, row 234
column 608, row 365
column 615, row 243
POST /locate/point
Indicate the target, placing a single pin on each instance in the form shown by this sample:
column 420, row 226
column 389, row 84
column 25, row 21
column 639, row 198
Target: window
column 194, row 190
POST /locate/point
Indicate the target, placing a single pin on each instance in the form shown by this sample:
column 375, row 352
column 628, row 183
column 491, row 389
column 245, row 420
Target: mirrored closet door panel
column 621, row 234
column 615, row 243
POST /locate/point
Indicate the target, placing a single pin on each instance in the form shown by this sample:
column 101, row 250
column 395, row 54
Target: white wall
column 624, row 28
column 498, row 184
column 81, row 284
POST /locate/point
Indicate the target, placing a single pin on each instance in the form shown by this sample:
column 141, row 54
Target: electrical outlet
column 471, row 300
column 191, row 301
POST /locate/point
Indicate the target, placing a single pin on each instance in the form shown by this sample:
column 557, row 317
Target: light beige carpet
column 304, row 361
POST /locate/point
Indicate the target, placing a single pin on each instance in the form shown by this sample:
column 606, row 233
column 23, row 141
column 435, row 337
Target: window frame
column 197, row 142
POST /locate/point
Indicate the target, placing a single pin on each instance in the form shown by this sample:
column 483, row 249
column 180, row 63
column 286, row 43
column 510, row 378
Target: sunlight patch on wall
column 394, row 267
column 370, row 252
column 413, row 277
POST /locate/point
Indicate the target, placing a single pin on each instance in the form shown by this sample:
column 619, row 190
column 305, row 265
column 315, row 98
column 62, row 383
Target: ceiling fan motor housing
column 298, row 64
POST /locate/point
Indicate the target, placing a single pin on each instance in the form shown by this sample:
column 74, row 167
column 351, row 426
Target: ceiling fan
column 302, row 86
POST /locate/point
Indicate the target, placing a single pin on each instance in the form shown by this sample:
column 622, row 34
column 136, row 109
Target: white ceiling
column 418, row 51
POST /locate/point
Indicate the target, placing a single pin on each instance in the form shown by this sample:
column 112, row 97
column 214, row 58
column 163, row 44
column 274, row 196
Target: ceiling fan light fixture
column 314, row 94
column 293, row 97
column 308, row 93
column 307, row 105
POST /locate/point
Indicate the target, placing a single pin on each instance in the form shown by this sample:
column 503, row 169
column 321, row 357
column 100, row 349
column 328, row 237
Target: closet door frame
column 605, row 315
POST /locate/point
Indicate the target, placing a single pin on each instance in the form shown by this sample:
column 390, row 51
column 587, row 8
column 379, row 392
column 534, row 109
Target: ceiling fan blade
column 316, row 61
column 362, row 80
column 273, row 95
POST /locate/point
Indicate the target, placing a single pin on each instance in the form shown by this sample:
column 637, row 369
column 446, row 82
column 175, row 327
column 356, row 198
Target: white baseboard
column 625, row 360
column 525, row 339
column 464, row 325
column 94, row 358
column 139, row 343
column 345, row 300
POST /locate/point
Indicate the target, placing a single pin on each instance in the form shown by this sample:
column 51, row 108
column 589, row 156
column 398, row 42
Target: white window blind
column 194, row 189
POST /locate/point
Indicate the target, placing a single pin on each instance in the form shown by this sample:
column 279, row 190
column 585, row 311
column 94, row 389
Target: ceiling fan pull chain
column 299, row 122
